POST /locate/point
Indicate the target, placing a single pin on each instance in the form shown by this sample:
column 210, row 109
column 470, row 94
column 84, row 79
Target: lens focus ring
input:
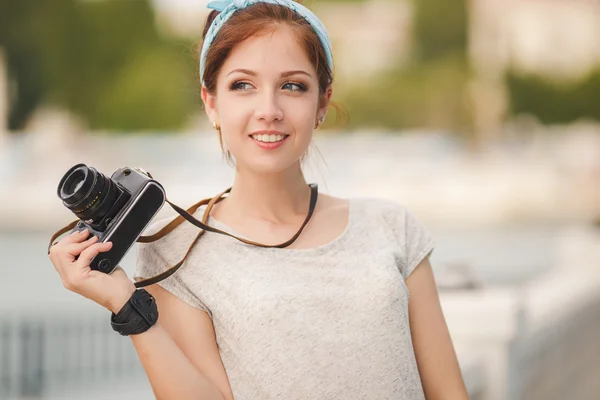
column 88, row 193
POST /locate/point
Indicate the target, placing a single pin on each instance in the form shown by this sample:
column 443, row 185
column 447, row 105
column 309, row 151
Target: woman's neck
column 276, row 198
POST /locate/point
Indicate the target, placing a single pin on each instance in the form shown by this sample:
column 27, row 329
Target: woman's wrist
column 137, row 315
column 120, row 299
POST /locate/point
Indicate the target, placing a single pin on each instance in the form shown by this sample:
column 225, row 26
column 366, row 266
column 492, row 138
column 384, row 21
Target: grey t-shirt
column 329, row 322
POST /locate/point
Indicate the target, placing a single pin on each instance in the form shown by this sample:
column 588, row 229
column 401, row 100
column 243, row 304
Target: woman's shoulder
column 366, row 211
column 395, row 220
column 365, row 204
column 394, row 216
column 372, row 207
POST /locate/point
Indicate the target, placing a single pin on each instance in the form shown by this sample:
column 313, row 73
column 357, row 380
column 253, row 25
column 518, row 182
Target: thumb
column 86, row 256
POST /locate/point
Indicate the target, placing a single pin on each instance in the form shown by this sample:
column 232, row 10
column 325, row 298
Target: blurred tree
column 431, row 89
column 430, row 95
column 19, row 27
column 103, row 60
column 440, row 28
column 553, row 102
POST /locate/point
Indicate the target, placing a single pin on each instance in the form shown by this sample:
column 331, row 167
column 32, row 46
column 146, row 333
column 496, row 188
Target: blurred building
column 557, row 38
column 553, row 38
column 368, row 37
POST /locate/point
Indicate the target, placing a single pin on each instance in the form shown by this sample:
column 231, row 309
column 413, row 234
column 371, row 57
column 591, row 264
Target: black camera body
column 116, row 209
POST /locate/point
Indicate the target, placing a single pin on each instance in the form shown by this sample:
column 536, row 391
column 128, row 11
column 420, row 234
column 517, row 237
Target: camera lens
column 88, row 193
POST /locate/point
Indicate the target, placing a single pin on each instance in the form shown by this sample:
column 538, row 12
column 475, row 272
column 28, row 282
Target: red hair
column 257, row 19
column 263, row 18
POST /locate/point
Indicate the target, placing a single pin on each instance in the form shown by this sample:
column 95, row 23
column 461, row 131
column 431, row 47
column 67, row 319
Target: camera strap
column 203, row 225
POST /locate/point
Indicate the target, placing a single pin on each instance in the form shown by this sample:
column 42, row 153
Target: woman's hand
column 110, row 291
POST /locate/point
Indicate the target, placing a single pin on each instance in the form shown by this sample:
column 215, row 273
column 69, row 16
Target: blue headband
column 228, row 7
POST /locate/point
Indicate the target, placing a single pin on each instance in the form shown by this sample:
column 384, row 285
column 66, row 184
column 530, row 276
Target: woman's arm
column 180, row 354
column 171, row 374
column 436, row 358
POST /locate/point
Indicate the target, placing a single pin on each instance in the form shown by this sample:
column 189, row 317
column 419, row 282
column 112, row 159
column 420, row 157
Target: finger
column 57, row 247
column 75, row 237
column 87, row 255
column 76, row 248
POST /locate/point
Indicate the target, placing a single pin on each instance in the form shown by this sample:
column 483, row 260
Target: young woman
column 348, row 310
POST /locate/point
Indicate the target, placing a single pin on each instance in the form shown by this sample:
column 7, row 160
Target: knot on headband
column 227, row 8
column 219, row 5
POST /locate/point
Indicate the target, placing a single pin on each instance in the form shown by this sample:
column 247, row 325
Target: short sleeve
column 150, row 262
column 412, row 241
column 418, row 243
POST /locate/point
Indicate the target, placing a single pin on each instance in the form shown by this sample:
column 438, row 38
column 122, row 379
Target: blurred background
column 481, row 116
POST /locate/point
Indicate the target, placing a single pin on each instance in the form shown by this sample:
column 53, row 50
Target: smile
column 269, row 138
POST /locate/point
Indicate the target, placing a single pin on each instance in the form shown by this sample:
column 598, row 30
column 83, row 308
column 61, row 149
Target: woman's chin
column 269, row 165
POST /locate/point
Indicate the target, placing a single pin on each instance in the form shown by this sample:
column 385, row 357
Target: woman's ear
column 210, row 104
column 325, row 100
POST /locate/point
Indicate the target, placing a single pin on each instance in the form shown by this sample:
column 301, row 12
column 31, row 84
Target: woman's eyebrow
column 295, row 72
column 243, row 71
column 283, row 74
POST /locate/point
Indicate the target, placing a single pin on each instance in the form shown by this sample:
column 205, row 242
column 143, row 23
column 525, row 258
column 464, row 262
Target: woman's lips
column 269, row 140
column 261, row 141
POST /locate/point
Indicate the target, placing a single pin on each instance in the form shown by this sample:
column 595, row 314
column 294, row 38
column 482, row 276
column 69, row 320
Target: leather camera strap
column 203, row 225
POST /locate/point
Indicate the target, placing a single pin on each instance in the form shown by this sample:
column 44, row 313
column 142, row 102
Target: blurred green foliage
column 107, row 63
column 103, row 60
column 430, row 95
column 440, row 28
column 552, row 102
column 430, row 91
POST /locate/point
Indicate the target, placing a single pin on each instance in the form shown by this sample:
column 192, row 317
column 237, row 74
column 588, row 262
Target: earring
column 319, row 122
column 216, row 126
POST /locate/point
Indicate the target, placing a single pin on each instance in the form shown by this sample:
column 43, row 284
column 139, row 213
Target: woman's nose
column 269, row 108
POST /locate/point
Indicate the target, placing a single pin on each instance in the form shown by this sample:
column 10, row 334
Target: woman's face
column 266, row 102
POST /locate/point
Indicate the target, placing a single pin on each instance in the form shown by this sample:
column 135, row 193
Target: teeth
column 268, row 138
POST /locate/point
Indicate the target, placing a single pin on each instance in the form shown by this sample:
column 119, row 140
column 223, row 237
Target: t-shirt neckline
column 306, row 251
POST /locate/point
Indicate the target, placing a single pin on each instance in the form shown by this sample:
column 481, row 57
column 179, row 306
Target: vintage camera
column 116, row 209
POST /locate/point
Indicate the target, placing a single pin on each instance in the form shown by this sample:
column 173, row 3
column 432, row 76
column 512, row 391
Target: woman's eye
column 294, row 87
column 240, row 86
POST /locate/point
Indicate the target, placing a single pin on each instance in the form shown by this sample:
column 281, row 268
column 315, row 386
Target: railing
column 559, row 360
column 41, row 356
column 540, row 341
